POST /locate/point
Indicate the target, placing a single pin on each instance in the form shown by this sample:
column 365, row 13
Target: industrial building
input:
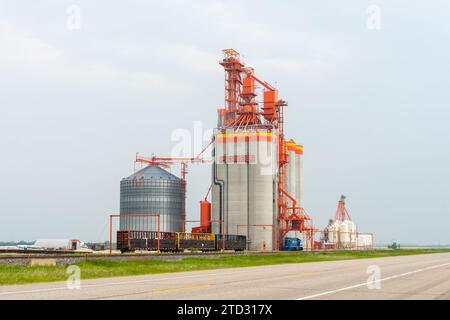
column 341, row 232
column 256, row 176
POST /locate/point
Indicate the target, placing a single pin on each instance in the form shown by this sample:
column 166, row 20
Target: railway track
column 67, row 258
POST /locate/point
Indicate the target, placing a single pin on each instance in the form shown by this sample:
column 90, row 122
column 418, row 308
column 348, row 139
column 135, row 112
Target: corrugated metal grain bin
column 152, row 190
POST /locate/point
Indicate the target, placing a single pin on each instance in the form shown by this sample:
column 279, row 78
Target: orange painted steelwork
column 248, row 88
column 233, row 82
column 205, row 214
column 270, row 101
column 241, row 111
column 205, row 218
column 341, row 211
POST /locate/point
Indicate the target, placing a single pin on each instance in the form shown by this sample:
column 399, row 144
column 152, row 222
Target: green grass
column 98, row 268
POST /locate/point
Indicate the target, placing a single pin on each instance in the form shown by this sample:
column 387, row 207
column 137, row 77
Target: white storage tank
column 344, row 236
column 333, row 232
column 352, row 232
column 329, row 230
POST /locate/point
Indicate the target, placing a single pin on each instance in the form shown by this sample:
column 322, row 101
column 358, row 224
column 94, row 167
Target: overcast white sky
column 370, row 106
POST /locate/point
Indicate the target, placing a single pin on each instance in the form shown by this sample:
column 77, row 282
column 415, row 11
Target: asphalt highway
column 402, row 277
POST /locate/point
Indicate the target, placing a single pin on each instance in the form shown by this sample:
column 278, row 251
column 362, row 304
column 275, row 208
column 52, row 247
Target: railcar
column 133, row 240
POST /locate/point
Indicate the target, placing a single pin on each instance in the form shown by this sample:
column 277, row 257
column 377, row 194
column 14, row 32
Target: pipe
column 294, row 202
column 220, row 183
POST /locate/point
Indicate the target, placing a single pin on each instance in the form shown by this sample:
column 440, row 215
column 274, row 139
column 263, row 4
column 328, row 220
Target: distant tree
column 15, row 243
column 394, row 246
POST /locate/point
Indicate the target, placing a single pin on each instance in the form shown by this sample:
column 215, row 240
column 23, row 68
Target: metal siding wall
column 152, row 196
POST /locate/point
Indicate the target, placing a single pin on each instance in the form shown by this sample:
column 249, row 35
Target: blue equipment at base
column 292, row 244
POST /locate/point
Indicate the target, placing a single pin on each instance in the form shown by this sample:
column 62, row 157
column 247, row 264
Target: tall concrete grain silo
column 298, row 173
column 255, row 180
column 291, row 171
column 243, row 192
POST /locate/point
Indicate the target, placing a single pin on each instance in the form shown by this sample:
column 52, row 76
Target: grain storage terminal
column 256, row 184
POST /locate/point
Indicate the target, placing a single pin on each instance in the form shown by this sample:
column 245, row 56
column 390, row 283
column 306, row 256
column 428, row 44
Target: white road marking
column 376, row 281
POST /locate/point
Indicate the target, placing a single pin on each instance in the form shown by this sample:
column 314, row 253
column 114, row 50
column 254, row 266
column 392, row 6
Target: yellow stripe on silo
column 252, row 136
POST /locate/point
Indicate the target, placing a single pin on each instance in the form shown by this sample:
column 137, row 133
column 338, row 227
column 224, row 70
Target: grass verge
column 98, row 268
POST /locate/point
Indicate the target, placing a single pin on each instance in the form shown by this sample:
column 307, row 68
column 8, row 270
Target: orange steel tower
column 233, row 82
column 341, row 211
